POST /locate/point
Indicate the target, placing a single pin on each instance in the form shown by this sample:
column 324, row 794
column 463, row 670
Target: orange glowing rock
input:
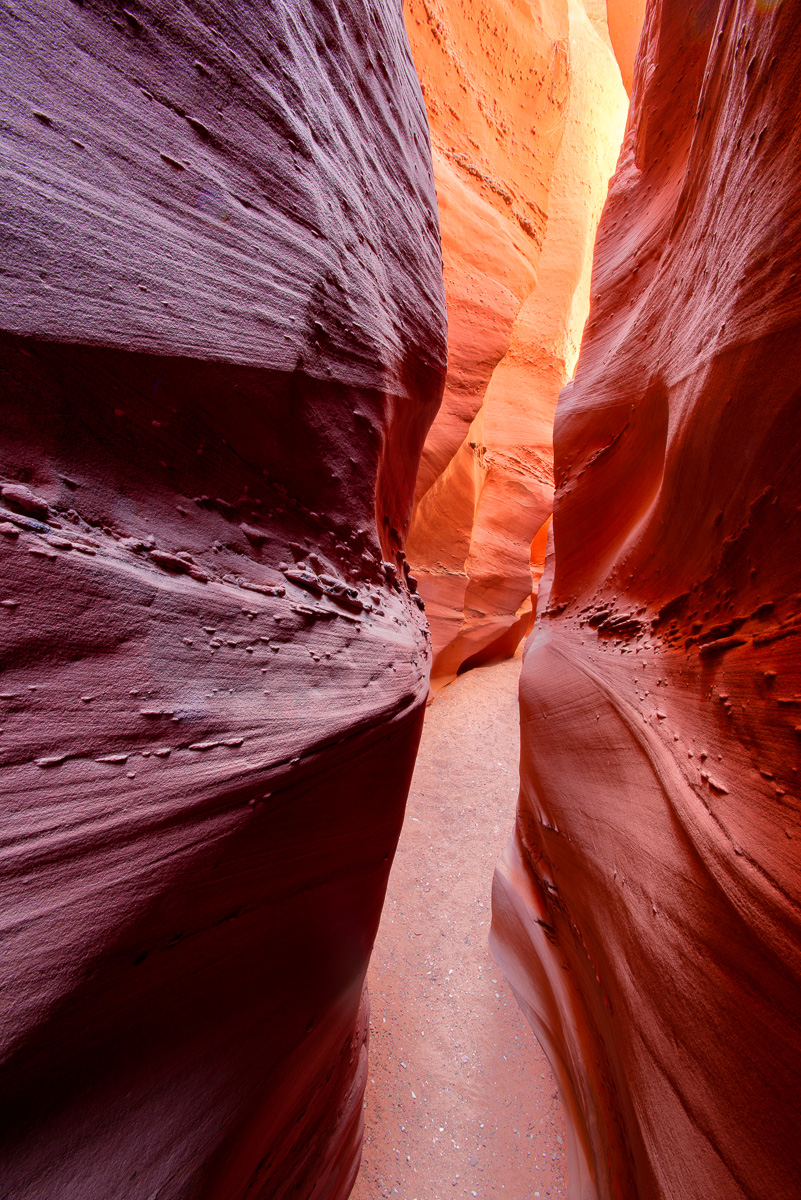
column 647, row 908
column 625, row 23
column 527, row 113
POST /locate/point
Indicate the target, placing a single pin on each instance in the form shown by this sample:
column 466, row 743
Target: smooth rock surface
column 223, row 343
column 527, row 112
column 624, row 19
column 647, row 910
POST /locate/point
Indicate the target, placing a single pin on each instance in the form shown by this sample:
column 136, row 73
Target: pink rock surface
column 647, row 908
column 527, row 111
column 223, row 343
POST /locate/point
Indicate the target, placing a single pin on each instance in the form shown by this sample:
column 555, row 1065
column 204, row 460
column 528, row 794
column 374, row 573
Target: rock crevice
column 527, row 111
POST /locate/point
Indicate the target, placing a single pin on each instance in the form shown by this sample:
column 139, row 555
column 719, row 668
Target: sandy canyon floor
column 460, row 1098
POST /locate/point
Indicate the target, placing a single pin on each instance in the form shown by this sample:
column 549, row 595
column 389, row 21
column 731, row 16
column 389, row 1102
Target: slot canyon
column 349, row 353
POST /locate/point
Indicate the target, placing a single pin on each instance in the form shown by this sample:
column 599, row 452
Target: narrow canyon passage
column 460, row 1100
column 344, row 345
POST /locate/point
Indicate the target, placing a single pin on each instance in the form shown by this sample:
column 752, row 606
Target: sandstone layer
column 624, row 19
column 647, row 908
column 527, row 111
column 223, row 343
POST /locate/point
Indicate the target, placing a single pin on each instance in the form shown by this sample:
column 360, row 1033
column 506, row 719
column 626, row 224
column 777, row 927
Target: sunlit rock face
column 224, row 341
column 647, row 910
column 527, row 110
column 624, row 19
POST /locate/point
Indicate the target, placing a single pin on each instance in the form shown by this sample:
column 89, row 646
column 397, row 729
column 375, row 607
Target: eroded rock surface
column 527, row 111
column 647, row 909
column 223, row 344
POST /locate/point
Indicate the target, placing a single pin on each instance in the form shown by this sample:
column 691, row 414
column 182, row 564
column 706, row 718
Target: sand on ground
column 460, row 1098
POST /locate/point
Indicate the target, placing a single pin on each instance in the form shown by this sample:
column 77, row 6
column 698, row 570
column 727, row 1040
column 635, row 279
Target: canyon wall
column 624, row 20
column 647, row 908
column 223, row 343
column 527, row 111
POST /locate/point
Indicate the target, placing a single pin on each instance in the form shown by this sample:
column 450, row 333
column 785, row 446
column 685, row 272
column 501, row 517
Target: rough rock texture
column 223, row 344
column 647, row 910
column 527, row 112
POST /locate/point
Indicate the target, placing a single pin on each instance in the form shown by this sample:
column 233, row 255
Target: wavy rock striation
column 648, row 907
column 224, row 341
column 527, row 112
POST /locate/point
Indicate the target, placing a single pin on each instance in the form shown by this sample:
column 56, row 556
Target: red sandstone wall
column 223, row 343
column 647, row 909
column 527, row 110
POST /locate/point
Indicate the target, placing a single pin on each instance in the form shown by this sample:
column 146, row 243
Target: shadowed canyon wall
column 647, row 909
column 223, row 344
column 527, row 111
